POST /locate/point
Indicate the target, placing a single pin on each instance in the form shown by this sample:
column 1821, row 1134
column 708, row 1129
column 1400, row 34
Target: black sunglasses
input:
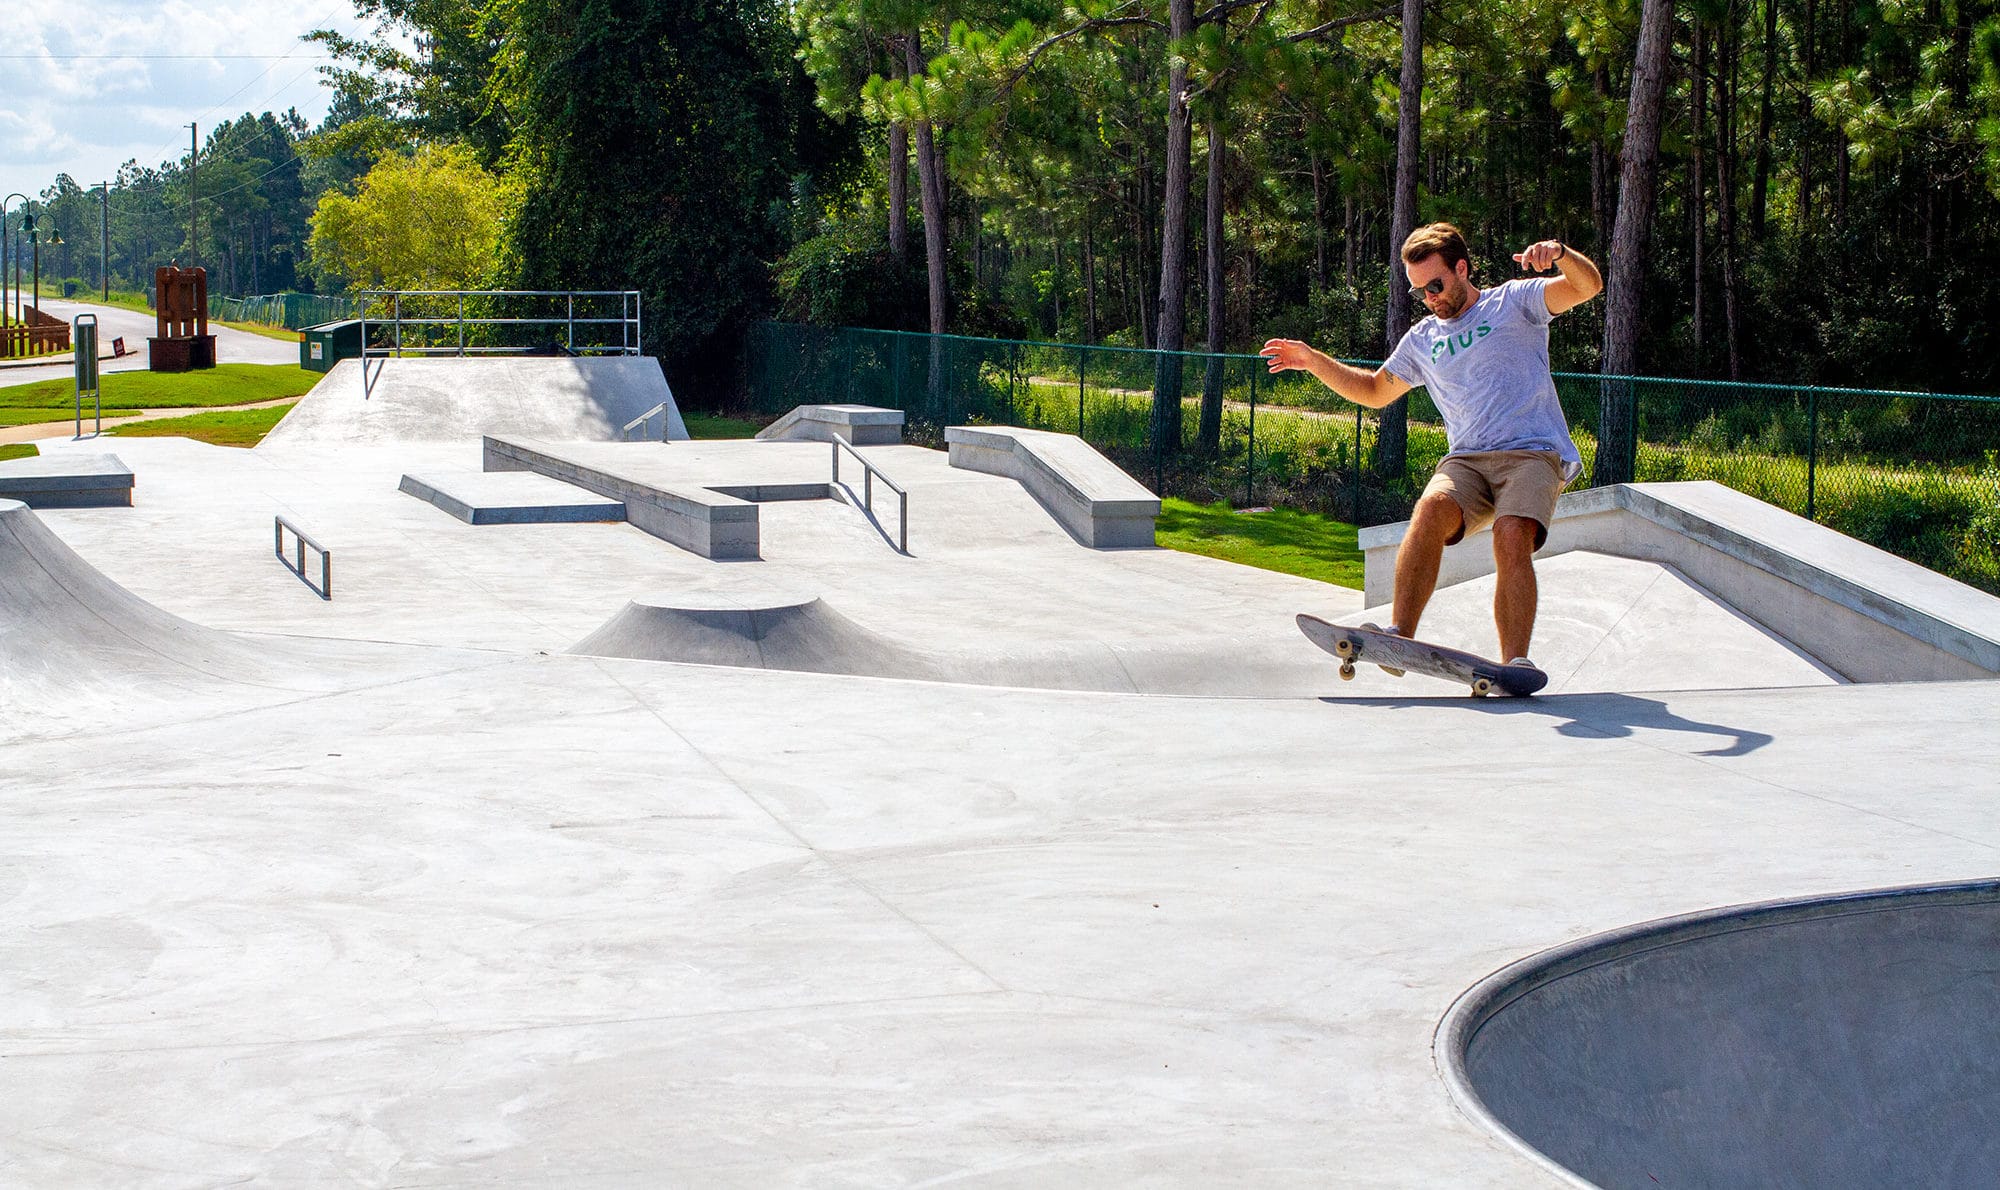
column 1435, row 287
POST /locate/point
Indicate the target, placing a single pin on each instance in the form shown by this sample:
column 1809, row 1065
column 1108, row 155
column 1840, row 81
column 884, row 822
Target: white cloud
column 89, row 87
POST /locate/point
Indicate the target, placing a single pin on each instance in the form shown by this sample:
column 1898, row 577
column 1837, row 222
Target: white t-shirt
column 1488, row 373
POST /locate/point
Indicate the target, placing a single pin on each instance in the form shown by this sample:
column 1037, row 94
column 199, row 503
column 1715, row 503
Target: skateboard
column 1397, row 654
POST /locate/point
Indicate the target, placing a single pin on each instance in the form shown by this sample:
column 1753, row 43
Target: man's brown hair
column 1437, row 239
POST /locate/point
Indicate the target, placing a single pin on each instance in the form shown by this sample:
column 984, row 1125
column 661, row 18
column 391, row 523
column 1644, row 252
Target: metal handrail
column 868, row 473
column 630, row 321
column 325, row 588
column 643, row 418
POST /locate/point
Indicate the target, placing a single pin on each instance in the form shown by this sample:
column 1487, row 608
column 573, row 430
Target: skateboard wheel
column 1343, row 647
column 1481, row 687
column 1347, row 672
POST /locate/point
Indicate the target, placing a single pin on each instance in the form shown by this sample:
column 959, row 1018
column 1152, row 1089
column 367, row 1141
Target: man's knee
column 1437, row 515
column 1515, row 538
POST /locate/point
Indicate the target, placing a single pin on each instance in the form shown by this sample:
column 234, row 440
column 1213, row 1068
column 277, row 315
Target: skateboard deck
column 1398, row 654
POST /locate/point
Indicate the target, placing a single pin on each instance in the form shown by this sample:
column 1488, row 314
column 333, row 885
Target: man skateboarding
column 1484, row 357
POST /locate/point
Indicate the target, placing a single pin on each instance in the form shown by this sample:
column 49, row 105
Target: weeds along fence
column 1917, row 474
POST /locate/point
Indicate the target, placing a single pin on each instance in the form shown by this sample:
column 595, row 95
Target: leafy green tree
column 432, row 220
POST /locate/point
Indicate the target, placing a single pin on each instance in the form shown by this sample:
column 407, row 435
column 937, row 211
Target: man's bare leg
column 1514, row 591
column 1437, row 517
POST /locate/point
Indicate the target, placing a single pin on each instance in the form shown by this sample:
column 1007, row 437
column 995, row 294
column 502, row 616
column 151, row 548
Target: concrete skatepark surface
column 398, row 890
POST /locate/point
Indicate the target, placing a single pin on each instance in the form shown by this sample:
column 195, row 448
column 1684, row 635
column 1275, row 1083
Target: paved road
column 231, row 346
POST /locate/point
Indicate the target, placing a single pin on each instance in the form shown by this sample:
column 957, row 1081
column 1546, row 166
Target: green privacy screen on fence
column 1914, row 473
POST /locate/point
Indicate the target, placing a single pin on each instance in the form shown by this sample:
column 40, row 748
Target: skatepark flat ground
column 453, row 906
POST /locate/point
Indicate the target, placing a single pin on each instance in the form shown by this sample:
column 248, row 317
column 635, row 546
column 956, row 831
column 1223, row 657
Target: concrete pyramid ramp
column 79, row 651
column 1610, row 624
column 719, row 628
column 563, row 399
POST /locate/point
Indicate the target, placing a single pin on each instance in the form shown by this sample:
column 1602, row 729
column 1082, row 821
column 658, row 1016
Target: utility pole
column 194, row 190
column 104, row 232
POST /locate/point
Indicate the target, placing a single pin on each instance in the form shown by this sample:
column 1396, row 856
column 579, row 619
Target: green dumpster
column 322, row 346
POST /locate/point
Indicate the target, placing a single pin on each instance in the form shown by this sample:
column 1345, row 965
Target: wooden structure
column 36, row 334
column 181, row 300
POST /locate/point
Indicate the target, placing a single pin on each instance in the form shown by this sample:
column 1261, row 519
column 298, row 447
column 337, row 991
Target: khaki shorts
column 1499, row 483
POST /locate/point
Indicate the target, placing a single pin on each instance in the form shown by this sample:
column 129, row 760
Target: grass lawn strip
column 715, row 425
column 18, row 450
column 225, row 384
column 222, row 427
column 1301, row 543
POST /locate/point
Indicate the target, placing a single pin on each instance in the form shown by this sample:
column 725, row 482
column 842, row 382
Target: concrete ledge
column 697, row 519
column 1867, row 613
column 1100, row 505
column 858, row 425
column 67, row 481
column 510, row 498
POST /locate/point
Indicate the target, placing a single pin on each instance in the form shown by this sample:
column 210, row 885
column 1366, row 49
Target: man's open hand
column 1288, row 355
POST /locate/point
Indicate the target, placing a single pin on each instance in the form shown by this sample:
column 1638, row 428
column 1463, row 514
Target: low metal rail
column 868, row 474
column 658, row 411
column 325, row 588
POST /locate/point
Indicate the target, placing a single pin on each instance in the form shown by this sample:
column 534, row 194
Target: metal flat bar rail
column 869, row 472
column 325, row 588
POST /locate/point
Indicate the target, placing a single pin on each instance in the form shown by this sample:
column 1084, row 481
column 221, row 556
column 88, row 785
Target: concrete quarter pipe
column 1844, row 1041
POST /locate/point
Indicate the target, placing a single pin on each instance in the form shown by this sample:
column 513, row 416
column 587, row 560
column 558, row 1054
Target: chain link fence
column 1917, row 474
column 292, row 311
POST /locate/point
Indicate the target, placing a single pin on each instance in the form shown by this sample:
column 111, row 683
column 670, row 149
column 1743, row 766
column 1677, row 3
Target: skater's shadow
column 1607, row 716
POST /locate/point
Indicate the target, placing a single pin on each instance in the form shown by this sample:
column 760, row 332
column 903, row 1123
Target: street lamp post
column 3, row 257
column 34, row 231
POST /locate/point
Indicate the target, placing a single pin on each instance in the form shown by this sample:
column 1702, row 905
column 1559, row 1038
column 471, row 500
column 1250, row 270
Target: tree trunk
column 1351, row 240
column 1811, row 67
column 1725, row 185
column 930, row 185
column 1638, row 174
column 899, row 191
column 1760, row 183
column 1171, row 327
column 1089, row 283
column 1319, row 224
column 1392, row 434
column 1699, row 87
column 1208, row 433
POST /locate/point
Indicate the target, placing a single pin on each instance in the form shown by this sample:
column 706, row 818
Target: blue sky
column 86, row 87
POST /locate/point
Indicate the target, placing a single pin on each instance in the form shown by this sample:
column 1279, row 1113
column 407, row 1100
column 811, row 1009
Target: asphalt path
column 231, row 346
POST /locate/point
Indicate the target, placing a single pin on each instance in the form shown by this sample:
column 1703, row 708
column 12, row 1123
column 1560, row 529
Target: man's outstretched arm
column 1373, row 389
column 1580, row 280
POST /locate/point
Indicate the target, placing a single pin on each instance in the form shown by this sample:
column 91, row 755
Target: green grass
column 1301, row 543
column 716, row 425
column 19, row 450
column 225, row 427
column 227, row 384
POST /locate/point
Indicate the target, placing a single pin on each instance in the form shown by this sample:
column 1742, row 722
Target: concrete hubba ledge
column 1870, row 614
column 67, row 481
column 510, row 498
column 1100, row 505
column 857, row 425
column 700, row 520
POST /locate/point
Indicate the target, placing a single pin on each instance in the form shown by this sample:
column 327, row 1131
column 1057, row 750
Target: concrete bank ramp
column 790, row 631
column 80, row 652
column 1846, row 1041
column 562, row 399
column 1609, row 625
